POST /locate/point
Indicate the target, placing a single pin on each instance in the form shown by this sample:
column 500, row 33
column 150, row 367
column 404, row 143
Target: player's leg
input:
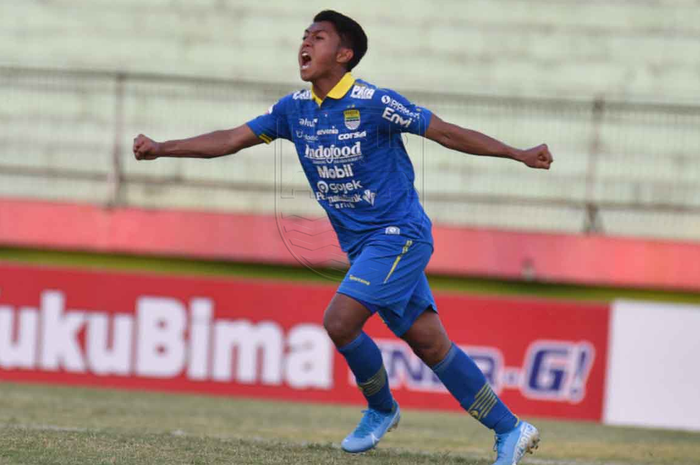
column 458, row 372
column 465, row 381
column 374, row 281
column 343, row 321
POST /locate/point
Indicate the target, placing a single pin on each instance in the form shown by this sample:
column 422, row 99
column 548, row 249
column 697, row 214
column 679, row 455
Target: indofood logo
column 332, row 154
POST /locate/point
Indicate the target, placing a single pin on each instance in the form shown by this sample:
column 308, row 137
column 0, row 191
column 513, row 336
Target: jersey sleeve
column 397, row 113
column 273, row 124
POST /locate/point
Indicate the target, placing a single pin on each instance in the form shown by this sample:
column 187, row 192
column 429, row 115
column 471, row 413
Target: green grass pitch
column 62, row 425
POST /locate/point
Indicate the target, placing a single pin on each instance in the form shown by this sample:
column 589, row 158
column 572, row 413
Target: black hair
column 351, row 34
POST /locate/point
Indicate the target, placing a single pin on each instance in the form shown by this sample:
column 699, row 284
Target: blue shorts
column 388, row 277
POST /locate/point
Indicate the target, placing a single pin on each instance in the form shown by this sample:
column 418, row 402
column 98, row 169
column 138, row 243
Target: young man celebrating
column 347, row 133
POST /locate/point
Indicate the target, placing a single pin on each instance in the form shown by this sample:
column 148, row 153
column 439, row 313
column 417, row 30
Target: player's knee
column 339, row 330
column 343, row 319
column 431, row 353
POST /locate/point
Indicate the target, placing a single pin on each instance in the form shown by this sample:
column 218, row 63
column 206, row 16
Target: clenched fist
column 537, row 157
column 146, row 148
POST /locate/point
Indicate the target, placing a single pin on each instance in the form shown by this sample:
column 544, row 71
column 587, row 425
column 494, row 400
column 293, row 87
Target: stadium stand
column 609, row 93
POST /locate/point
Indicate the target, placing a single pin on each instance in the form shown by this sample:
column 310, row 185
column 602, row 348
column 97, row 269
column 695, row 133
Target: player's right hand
column 146, row 148
column 537, row 157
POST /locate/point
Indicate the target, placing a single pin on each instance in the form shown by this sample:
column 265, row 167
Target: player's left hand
column 537, row 157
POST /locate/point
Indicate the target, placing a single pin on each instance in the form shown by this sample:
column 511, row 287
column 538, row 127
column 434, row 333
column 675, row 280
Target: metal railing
column 66, row 134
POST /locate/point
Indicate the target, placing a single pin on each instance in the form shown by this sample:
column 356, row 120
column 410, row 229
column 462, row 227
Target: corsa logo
column 352, row 135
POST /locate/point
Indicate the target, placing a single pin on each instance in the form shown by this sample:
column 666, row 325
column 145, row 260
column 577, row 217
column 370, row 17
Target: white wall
column 653, row 375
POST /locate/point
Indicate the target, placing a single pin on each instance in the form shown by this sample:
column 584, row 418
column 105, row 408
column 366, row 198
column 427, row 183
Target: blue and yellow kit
column 351, row 149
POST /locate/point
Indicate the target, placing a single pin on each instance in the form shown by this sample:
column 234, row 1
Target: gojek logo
column 333, row 153
column 338, row 187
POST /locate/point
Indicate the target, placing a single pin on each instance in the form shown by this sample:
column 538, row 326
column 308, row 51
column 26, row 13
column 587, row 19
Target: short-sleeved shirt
column 351, row 149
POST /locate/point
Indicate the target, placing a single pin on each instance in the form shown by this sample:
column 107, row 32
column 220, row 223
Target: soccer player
column 347, row 134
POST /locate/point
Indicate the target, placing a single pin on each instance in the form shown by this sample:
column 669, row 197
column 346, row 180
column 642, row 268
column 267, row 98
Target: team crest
column 352, row 119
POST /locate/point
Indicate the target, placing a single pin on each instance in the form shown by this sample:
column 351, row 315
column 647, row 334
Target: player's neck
column 325, row 84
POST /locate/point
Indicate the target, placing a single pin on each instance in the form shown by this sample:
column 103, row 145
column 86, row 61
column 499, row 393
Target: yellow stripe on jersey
column 398, row 259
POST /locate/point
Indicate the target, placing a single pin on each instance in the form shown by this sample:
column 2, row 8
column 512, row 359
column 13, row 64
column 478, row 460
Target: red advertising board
column 265, row 339
column 256, row 238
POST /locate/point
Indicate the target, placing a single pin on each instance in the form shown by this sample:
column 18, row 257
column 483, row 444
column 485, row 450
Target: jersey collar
column 338, row 91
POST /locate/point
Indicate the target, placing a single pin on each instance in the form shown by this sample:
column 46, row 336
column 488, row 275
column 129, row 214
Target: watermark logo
column 327, row 169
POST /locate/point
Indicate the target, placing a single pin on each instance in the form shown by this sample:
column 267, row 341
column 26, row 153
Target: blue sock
column 365, row 361
column 465, row 381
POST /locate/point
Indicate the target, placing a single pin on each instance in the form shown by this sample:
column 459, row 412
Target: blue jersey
column 352, row 153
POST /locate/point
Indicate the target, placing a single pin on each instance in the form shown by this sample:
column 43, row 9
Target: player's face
column 319, row 51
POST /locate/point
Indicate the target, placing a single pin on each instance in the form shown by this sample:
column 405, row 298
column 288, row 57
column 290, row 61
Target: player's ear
column 344, row 55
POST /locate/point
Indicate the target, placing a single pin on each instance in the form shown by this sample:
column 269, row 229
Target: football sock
column 365, row 361
column 465, row 381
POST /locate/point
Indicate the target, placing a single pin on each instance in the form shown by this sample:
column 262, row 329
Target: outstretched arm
column 465, row 140
column 212, row 145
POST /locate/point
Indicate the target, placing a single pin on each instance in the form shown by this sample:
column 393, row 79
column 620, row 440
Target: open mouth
column 305, row 60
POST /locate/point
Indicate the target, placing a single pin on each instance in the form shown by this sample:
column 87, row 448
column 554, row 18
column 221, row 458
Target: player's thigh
column 344, row 318
column 420, row 301
column 386, row 273
column 428, row 338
